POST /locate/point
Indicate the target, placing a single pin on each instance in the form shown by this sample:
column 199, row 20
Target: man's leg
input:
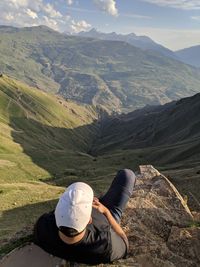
column 119, row 193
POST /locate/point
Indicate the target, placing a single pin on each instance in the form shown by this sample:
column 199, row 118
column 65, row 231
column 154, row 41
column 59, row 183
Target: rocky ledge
column 159, row 224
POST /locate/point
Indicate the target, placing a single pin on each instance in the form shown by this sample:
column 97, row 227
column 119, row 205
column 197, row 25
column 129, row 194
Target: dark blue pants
column 119, row 193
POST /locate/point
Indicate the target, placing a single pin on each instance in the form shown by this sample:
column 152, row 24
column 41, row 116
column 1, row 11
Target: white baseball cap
column 74, row 207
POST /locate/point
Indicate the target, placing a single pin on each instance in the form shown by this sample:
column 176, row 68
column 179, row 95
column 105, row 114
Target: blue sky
column 172, row 23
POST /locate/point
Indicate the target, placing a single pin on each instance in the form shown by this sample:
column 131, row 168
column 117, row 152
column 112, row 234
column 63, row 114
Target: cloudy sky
column 172, row 23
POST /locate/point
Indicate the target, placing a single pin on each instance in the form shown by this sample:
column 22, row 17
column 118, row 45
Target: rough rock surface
column 158, row 224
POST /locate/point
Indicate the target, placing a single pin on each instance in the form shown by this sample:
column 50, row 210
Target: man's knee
column 127, row 176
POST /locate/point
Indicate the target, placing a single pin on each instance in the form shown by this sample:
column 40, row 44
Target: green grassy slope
column 113, row 74
column 37, row 143
column 176, row 122
column 171, row 131
column 36, row 120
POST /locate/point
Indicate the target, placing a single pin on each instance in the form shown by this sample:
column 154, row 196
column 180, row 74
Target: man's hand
column 116, row 227
column 99, row 206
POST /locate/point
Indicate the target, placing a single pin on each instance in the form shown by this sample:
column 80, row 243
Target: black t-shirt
column 100, row 243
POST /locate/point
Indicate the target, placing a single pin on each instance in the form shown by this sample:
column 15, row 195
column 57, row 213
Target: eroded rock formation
column 157, row 221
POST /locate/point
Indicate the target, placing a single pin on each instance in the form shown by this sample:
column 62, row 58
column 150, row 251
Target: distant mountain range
column 190, row 55
column 114, row 75
column 143, row 42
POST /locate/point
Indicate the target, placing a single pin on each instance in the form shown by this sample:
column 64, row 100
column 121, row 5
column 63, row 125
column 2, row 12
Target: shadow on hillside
column 56, row 150
column 68, row 155
column 18, row 222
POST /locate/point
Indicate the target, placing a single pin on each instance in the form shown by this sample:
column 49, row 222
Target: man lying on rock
column 86, row 229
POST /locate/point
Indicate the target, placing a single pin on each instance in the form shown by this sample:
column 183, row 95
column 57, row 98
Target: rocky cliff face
column 158, row 223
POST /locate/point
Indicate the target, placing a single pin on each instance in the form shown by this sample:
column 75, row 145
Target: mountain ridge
column 114, row 75
column 155, row 125
column 190, row 55
column 143, row 42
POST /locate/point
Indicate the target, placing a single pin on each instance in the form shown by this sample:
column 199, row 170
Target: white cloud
column 31, row 14
column 135, row 16
column 82, row 10
column 27, row 13
column 196, row 18
column 19, row 3
column 50, row 22
column 78, row 26
column 108, row 6
column 9, row 17
column 69, row 2
column 180, row 4
column 49, row 9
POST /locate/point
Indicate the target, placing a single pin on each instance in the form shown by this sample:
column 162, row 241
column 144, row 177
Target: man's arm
column 116, row 227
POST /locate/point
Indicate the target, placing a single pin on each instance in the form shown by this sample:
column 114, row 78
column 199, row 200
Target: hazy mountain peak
column 43, row 28
column 92, row 30
column 190, row 55
column 132, row 34
column 143, row 42
column 5, row 28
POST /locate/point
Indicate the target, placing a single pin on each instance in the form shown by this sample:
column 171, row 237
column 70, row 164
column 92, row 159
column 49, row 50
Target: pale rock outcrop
column 157, row 221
